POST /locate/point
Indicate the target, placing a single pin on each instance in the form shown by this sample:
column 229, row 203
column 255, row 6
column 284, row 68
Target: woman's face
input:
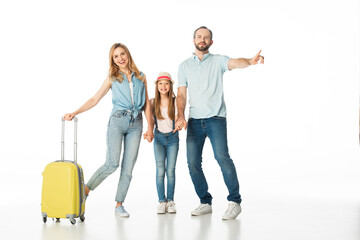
column 120, row 58
column 163, row 87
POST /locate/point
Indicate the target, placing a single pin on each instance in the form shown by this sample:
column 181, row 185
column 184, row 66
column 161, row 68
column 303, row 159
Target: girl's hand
column 149, row 138
column 149, row 135
column 180, row 124
column 69, row 116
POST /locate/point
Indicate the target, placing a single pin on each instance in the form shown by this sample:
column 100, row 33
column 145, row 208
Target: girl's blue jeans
column 166, row 147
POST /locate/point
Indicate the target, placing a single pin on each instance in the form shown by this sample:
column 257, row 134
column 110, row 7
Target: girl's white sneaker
column 161, row 209
column 170, row 206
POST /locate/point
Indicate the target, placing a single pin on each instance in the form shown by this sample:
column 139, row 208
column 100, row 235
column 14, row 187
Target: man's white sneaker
column 170, row 206
column 161, row 209
column 233, row 210
column 202, row 209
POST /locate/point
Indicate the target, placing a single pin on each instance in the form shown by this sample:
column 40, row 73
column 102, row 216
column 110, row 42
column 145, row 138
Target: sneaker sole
column 122, row 215
column 229, row 218
column 202, row 213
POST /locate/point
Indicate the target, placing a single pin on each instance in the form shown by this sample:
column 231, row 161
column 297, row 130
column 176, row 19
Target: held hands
column 180, row 124
column 255, row 60
column 149, row 135
column 69, row 116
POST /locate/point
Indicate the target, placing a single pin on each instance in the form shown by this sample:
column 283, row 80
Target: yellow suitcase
column 63, row 192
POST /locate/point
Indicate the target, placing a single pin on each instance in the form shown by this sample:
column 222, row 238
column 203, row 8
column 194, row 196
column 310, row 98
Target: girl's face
column 163, row 87
column 120, row 58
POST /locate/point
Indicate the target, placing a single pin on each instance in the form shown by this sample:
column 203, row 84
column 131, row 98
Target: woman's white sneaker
column 202, row 209
column 120, row 210
column 233, row 210
column 170, row 206
column 161, row 209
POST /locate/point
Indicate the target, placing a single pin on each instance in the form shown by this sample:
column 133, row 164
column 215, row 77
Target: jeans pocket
column 118, row 114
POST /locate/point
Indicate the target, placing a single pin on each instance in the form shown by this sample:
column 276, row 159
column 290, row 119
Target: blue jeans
column 122, row 127
column 166, row 147
column 215, row 129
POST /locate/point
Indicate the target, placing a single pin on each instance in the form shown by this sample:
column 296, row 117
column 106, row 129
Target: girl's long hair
column 114, row 71
column 157, row 103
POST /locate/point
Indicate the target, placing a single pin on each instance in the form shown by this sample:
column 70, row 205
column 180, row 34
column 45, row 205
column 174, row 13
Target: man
column 202, row 76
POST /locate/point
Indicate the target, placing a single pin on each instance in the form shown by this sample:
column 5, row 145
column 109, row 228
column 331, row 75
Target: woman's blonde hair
column 114, row 71
column 157, row 102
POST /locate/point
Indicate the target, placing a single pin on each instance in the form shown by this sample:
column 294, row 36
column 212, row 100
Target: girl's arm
column 92, row 102
column 149, row 135
column 152, row 123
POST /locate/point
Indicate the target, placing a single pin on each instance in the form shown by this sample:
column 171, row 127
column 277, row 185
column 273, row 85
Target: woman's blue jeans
column 166, row 147
column 122, row 127
column 214, row 128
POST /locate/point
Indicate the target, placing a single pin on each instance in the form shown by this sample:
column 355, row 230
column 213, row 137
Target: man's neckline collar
column 205, row 56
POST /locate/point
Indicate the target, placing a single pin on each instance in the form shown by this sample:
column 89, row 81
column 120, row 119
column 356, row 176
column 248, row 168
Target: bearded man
column 202, row 76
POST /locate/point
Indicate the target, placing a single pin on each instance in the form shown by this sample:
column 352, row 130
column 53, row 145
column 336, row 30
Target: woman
column 130, row 98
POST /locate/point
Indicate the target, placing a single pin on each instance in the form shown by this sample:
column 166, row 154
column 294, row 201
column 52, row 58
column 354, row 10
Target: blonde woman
column 130, row 98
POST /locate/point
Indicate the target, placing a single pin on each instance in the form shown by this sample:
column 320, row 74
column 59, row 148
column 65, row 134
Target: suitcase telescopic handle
column 63, row 136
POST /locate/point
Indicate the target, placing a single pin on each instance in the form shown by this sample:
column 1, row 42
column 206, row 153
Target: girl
column 130, row 98
column 166, row 143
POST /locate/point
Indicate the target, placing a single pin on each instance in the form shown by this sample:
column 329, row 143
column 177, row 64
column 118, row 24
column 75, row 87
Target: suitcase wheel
column 82, row 218
column 73, row 221
column 44, row 219
column 57, row 219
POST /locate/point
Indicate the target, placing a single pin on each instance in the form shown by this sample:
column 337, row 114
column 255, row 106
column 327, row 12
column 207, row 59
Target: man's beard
column 202, row 48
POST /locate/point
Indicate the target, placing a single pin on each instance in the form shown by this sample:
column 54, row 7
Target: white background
column 292, row 122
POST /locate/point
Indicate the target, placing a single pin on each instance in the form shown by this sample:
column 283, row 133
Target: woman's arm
column 92, row 102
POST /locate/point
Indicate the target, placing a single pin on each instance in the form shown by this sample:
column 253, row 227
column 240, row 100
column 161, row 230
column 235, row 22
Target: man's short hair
column 203, row 27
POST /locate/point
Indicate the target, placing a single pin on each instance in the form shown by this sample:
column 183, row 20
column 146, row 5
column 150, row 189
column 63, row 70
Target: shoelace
column 201, row 207
column 161, row 206
column 121, row 209
column 231, row 208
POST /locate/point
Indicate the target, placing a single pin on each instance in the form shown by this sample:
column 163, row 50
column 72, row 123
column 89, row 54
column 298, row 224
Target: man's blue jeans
column 215, row 129
column 166, row 147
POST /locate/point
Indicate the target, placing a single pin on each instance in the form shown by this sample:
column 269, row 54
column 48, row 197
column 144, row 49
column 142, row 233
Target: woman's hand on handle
column 69, row 116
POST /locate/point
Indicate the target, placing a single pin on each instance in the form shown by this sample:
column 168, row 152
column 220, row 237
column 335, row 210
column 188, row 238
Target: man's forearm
column 239, row 63
column 181, row 103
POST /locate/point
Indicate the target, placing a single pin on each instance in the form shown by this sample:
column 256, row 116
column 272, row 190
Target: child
column 166, row 140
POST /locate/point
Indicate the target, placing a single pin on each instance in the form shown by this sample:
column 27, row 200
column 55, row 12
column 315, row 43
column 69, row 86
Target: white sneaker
column 120, row 210
column 161, row 209
column 202, row 209
column 233, row 210
column 170, row 206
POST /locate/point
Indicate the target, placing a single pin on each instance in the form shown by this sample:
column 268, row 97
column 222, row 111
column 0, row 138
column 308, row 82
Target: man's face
column 202, row 40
